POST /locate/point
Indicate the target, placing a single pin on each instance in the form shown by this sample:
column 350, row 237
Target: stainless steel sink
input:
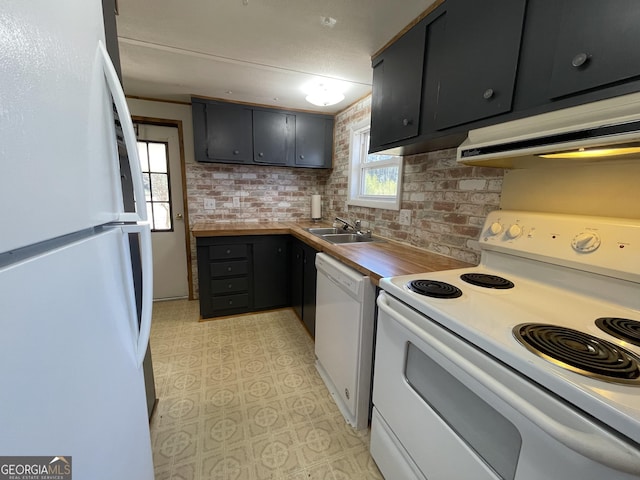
column 323, row 230
column 337, row 235
column 349, row 238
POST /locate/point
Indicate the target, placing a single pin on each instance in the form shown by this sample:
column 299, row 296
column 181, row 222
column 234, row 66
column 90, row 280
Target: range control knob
column 514, row 231
column 495, row 228
column 586, row 242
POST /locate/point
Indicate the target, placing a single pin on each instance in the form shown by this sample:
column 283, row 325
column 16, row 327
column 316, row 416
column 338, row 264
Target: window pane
column 142, row 153
column 158, row 157
column 147, row 186
column 161, row 216
column 160, row 187
column 150, row 215
column 374, row 157
column 380, row 181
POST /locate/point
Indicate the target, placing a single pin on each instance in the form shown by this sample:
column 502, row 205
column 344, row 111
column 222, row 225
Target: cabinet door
column 598, row 44
column 271, row 272
column 229, row 133
column 297, row 276
column 397, row 89
column 309, row 289
column 314, row 141
column 273, row 135
column 479, row 70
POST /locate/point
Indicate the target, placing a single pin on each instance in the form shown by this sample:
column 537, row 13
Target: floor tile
column 240, row 399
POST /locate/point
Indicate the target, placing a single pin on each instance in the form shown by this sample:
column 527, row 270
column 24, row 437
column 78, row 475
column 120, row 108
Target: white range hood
column 606, row 124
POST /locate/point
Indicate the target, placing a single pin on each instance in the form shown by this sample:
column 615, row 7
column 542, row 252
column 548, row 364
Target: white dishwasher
column 345, row 305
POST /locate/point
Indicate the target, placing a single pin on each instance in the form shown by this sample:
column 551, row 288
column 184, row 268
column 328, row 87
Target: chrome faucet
column 355, row 227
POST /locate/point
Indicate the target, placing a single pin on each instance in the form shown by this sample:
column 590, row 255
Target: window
column 155, row 173
column 374, row 180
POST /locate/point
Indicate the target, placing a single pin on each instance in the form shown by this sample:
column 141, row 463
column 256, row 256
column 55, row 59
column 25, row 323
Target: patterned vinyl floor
column 240, row 398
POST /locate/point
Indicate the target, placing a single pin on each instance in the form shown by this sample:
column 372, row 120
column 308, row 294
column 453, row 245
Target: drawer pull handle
column 228, row 251
column 230, row 286
column 236, row 152
column 230, row 302
column 229, row 269
column 488, row 93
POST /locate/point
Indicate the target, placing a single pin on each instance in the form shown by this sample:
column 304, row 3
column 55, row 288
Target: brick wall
column 251, row 193
column 448, row 202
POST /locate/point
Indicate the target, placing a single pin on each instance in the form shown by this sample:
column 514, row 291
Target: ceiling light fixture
column 324, row 93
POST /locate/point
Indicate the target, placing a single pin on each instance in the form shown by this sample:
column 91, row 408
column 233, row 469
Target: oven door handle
column 613, row 452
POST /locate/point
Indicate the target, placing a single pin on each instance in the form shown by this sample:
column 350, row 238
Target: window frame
column 357, row 153
column 149, row 173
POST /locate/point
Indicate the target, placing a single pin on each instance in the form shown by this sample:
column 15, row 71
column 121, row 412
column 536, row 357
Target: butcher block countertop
column 375, row 259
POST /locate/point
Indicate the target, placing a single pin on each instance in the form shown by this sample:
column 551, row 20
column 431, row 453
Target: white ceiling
column 261, row 51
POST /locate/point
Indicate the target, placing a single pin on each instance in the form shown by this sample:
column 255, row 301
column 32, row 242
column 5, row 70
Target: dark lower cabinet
column 303, row 283
column 242, row 274
column 271, row 272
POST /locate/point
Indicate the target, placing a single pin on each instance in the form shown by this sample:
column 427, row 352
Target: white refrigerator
column 71, row 344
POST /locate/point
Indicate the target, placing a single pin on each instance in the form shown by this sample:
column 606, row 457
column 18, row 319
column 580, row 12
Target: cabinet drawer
column 229, row 285
column 220, row 252
column 224, row 269
column 228, row 302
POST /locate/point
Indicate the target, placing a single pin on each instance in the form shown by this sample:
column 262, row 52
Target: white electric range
column 524, row 367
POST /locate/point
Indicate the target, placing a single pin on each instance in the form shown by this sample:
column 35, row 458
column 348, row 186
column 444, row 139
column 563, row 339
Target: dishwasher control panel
column 339, row 273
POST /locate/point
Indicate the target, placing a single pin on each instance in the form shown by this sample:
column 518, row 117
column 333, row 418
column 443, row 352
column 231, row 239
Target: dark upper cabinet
column 229, row 136
column 397, row 88
column 478, row 72
column 235, row 133
column 273, row 137
column 598, row 44
column 499, row 60
column 314, row 141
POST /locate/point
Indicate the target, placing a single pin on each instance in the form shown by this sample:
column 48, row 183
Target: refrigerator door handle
column 130, row 141
column 146, row 260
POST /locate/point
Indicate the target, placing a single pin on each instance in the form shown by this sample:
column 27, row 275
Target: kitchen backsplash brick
column 251, row 194
column 448, row 202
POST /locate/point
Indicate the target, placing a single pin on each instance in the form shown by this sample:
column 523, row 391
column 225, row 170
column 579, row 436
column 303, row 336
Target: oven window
column 494, row 438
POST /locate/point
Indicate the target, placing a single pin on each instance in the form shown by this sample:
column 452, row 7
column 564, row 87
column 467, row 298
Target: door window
column 154, row 161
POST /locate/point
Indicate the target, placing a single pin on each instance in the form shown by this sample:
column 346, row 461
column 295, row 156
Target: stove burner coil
column 487, row 281
column 622, row 328
column 580, row 352
column 435, row 289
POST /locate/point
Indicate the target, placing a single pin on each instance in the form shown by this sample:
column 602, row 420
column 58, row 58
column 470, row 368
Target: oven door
column 456, row 412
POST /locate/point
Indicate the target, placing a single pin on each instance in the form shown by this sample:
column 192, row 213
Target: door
column 159, row 150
